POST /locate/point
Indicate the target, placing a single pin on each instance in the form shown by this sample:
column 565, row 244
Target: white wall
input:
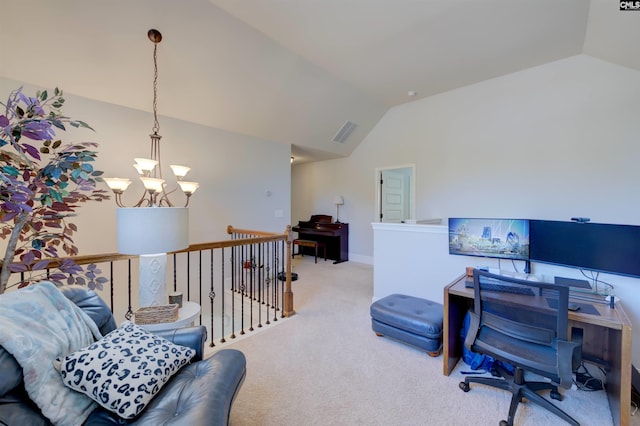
column 414, row 260
column 550, row 142
column 235, row 172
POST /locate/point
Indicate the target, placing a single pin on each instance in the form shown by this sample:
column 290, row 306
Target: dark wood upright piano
column 335, row 236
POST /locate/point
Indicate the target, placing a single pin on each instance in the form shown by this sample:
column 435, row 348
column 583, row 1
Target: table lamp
column 152, row 232
column 338, row 201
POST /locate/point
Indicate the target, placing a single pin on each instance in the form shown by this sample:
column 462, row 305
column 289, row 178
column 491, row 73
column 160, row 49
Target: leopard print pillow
column 123, row 370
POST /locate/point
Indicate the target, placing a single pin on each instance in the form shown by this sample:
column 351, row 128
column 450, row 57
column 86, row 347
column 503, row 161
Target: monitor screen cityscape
column 497, row 238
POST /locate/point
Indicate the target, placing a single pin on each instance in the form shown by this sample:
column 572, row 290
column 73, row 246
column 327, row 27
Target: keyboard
column 503, row 288
column 518, row 275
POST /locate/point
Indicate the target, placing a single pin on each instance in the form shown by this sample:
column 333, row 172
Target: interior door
column 393, row 196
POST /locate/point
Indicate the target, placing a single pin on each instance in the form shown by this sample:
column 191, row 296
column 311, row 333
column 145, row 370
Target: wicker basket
column 157, row 314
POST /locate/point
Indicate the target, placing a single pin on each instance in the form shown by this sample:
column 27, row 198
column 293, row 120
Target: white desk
column 186, row 315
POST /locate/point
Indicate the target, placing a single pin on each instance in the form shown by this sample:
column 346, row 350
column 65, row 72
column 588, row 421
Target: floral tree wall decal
column 42, row 183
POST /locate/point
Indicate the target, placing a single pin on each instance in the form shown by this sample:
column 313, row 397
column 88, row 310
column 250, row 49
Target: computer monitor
column 596, row 247
column 495, row 238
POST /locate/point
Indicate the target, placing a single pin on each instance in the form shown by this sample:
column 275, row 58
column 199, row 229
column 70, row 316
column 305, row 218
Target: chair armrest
column 193, row 337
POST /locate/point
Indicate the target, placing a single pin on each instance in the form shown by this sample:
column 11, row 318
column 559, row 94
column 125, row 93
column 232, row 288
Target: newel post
column 288, row 294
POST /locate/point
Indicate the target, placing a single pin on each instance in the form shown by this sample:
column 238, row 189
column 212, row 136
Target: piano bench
column 309, row 243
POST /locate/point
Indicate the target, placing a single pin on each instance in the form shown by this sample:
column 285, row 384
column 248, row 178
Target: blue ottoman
column 412, row 320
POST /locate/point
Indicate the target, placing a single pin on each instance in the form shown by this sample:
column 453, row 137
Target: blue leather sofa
column 201, row 393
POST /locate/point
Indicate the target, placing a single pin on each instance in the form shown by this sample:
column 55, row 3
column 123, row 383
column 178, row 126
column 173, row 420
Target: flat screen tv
column 596, row 247
column 497, row 238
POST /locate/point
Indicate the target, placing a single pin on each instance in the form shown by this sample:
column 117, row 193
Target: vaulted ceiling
column 295, row 71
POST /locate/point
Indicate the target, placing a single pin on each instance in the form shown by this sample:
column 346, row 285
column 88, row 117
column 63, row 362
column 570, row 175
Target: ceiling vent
column 344, row 132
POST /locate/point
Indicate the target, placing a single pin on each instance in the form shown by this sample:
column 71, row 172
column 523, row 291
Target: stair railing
column 240, row 284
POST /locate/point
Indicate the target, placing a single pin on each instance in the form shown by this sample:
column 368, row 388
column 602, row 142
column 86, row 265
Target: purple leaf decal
column 17, row 267
column 31, row 150
column 48, row 187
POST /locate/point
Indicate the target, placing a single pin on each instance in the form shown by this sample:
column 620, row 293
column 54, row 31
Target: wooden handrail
column 260, row 237
column 232, row 230
column 231, row 243
column 54, row 262
column 112, row 257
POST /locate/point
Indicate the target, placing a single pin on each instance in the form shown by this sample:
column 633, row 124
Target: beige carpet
column 324, row 366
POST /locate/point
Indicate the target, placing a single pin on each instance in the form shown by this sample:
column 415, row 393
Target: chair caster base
column 555, row 395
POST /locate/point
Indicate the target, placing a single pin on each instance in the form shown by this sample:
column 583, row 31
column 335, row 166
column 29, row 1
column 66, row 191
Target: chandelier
column 149, row 169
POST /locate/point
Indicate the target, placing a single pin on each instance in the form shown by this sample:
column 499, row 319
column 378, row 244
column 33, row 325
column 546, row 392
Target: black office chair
column 528, row 331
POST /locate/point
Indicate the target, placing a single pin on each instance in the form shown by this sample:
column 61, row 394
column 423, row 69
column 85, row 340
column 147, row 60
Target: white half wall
column 413, row 260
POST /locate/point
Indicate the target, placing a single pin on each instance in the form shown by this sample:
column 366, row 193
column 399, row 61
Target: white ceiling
column 294, row 71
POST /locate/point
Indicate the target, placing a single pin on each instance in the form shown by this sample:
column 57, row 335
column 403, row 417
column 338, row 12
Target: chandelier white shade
column 118, row 185
column 144, row 165
column 152, row 230
column 188, row 187
column 179, row 171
